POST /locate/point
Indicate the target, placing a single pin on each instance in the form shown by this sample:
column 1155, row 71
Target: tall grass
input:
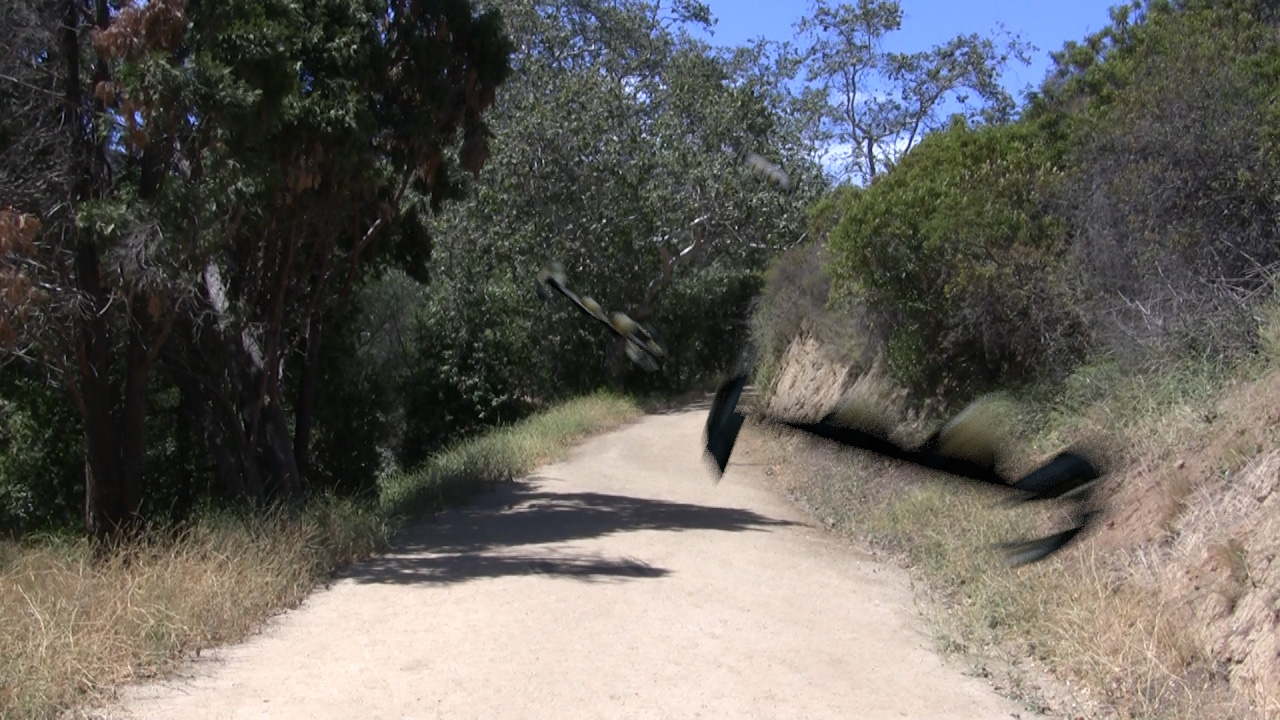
column 1103, row 621
column 502, row 454
column 78, row 621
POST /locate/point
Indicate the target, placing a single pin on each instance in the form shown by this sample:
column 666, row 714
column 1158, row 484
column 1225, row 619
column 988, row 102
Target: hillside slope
column 1171, row 608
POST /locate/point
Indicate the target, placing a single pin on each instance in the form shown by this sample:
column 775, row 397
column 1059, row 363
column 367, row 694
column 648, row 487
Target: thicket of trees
column 1129, row 212
column 208, row 181
column 253, row 250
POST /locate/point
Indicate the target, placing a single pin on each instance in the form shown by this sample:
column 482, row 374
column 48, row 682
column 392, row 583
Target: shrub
column 959, row 255
column 704, row 321
column 1172, row 186
column 41, row 457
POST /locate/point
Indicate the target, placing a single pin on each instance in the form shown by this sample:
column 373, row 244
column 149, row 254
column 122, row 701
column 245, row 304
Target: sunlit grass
column 78, row 622
column 502, row 454
column 1105, row 622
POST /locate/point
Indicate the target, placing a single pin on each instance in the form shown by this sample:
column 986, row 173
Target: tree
column 619, row 146
column 880, row 104
column 234, row 165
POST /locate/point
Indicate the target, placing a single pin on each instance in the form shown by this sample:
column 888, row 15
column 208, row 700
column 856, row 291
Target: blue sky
column 1046, row 25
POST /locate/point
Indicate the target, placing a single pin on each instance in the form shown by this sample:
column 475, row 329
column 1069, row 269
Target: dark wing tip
column 724, row 422
column 1066, row 473
column 1026, row 552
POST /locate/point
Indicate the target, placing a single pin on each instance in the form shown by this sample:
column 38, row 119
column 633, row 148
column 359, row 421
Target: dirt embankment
column 1196, row 520
column 1206, row 516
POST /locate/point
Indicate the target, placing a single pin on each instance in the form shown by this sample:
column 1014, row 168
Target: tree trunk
column 114, row 430
column 306, row 401
column 209, row 416
column 264, row 433
column 133, row 426
column 275, row 438
column 110, row 496
column 238, row 425
column 615, row 362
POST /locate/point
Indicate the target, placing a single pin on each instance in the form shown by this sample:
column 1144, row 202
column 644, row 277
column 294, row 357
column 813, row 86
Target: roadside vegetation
column 267, row 280
column 82, row 619
column 267, row 286
column 1109, row 262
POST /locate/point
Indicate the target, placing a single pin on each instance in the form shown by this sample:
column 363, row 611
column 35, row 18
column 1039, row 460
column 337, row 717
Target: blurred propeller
column 642, row 347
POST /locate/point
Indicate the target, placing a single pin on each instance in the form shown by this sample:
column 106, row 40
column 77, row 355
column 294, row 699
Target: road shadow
column 502, row 534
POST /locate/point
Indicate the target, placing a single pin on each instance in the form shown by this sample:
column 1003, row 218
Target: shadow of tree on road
column 475, row 541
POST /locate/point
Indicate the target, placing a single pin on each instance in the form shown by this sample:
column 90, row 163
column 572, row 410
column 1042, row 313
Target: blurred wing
column 652, row 342
column 768, row 170
column 724, row 422
column 638, row 356
column 1029, row 551
column 1066, row 475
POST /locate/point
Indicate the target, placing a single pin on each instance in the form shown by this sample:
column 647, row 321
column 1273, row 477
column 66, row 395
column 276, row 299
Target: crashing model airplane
column 1067, row 476
column 643, row 346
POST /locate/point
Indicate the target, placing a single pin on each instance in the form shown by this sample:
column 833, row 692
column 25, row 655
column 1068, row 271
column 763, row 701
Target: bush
column 959, row 255
column 41, row 457
column 1173, row 186
column 704, row 320
column 796, row 300
column 474, row 364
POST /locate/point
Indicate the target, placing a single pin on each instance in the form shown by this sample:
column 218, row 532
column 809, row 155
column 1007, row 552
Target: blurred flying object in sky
column 643, row 346
column 769, row 171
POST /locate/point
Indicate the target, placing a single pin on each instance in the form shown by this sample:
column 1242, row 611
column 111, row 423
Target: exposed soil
column 1198, row 520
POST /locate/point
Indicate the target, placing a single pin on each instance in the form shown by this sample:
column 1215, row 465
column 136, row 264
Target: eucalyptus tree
column 231, row 167
column 880, row 104
column 618, row 150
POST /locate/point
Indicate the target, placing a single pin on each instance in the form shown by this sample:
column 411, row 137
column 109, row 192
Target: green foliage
column 796, row 300
column 705, row 324
column 474, row 364
column 1127, row 216
column 1172, row 182
column 957, row 252
column 41, row 460
column 355, row 406
column 649, row 169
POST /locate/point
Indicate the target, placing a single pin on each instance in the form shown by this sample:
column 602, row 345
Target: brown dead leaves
column 17, row 241
column 159, row 25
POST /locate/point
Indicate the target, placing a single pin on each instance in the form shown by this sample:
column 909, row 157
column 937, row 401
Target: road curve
column 619, row 583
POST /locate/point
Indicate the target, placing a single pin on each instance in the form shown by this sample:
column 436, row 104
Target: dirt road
column 620, row 583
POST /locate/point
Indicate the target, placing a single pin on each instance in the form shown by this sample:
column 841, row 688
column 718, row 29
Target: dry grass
column 1269, row 329
column 79, row 623
column 503, row 454
column 1107, row 621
